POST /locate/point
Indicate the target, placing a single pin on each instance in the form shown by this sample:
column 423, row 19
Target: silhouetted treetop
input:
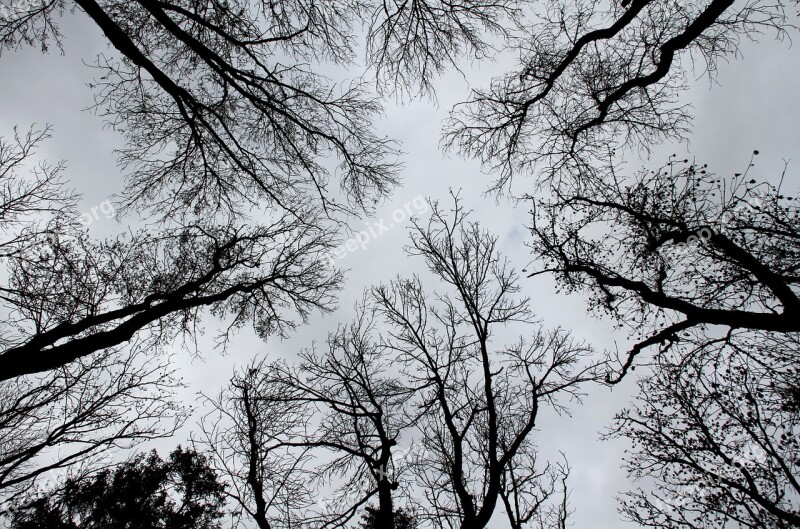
column 145, row 492
column 597, row 76
column 65, row 295
column 672, row 251
column 719, row 435
column 227, row 107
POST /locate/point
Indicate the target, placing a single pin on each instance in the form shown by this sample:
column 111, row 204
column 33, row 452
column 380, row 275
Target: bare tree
column 526, row 492
column 225, row 108
column 355, row 413
column 246, row 433
column 63, row 419
column 360, row 404
column 66, row 296
column 716, row 436
column 479, row 399
column 410, row 43
column 68, row 394
column 220, row 108
column 599, row 76
column 676, row 250
column 435, row 372
column 69, row 297
column 79, row 315
column 28, row 201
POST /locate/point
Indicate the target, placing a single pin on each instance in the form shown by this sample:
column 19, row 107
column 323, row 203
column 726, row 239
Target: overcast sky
column 755, row 106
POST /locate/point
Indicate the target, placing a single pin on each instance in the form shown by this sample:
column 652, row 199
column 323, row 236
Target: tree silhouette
column 414, row 362
column 224, row 107
column 219, row 107
column 717, row 430
column 410, row 43
column 361, row 406
column 145, row 492
column 679, row 250
column 65, row 418
column 703, row 269
column 68, row 296
column 339, row 408
column 80, row 315
column 595, row 77
column 479, row 398
column 247, row 433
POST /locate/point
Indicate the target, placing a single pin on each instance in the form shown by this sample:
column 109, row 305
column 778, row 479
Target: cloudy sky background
column 754, row 106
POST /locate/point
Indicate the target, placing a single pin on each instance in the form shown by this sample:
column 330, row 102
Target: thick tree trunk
column 384, row 517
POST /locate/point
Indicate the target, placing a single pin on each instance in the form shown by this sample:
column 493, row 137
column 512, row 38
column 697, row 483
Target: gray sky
column 756, row 105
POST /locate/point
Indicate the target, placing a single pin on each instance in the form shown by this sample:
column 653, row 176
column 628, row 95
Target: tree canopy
column 145, row 492
column 596, row 77
column 415, row 362
column 250, row 142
